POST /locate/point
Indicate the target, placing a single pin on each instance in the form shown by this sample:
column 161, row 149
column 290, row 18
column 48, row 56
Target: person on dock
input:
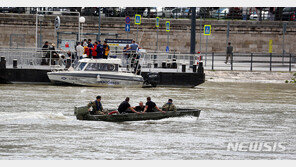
column 84, row 42
column 126, row 54
column 97, row 107
column 134, row 46
column 45, row 46
column 151, row 106
column 125, row 107
column 94, row 50
column 90, row 46
column 229, row 52
column 106, row 48
column 53, row 55
column 79, row 50
column 169, row 106
column 100, row 50
column 140, row 107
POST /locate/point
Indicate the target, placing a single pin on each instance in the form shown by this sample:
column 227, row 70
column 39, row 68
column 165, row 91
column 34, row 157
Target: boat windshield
column 80, row 66
column 101, row 67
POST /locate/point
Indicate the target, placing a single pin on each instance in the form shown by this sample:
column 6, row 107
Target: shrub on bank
column 293, row 80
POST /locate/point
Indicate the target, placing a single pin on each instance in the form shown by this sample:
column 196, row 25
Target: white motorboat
column 97, row 72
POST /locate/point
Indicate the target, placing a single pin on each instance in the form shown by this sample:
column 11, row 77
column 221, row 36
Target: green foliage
column 293, row 80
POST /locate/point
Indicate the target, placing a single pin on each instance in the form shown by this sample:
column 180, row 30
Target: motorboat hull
column 95, row 79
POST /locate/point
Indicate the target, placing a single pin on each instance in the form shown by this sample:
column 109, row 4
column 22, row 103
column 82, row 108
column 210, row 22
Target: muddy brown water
column 37, row 122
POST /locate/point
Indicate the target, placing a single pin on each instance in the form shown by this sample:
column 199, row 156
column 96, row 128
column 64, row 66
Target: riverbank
column 245, row 36
column 246, row 76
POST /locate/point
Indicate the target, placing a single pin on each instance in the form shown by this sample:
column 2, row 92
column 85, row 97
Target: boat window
column 81, row 66
column 75, row 64
column 288, row 9
column 101, row 67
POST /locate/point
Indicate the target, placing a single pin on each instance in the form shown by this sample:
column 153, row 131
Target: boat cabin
column 110, row 65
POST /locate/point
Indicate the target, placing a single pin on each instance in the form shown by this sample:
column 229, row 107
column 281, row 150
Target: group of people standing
column 49, row 52
column 94, row 50
column 125, row 107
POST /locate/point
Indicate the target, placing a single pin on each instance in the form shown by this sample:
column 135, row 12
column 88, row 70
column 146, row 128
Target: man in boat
column 169, row 106
column 151, row 106
column 140, row 107
column 97, row 107
column 125, row 107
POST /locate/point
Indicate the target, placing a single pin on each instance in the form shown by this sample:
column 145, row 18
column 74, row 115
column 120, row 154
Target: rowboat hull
column 81, row 113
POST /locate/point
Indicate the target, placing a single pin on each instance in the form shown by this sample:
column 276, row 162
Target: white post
column 36, row 31
column 79, row 28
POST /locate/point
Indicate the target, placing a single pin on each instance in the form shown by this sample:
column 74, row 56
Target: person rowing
column 140, row 107
column 151, row 106
column 169, row 106
column 97, row 107
column 125, row 107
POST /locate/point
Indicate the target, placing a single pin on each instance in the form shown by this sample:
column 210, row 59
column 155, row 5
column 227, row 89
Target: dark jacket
column 229, row 49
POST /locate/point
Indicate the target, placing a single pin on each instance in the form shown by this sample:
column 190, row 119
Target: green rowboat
column 82, row 113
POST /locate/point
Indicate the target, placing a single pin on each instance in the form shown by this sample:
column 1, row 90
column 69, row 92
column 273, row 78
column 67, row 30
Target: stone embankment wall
column 245, row 36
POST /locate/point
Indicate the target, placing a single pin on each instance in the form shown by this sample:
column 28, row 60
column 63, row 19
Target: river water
column 37, row 122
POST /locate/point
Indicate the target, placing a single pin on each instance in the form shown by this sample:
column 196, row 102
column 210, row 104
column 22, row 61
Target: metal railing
column 30, row 58
column 214, row 61
column 250, row 62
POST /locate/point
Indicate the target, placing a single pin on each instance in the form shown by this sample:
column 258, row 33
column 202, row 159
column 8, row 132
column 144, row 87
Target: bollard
column 163, row 65
column 200, row 69
column 212, row 60
column 231, row 56
column 290, row 63
column 155, row 65
column 2, row 58
column 194, row 68
column 251, row 68
column 270, row 61
column 174, row 64
column 169, row 65
column 68, row 62
column 14, row 62
column 3, row 63
column 183, row 67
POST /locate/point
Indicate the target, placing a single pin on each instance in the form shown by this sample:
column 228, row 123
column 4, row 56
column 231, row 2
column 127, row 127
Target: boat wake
column 184, row 119
column 8, row 116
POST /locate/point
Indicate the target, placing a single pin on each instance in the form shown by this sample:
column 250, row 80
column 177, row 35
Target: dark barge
column 163, row 76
